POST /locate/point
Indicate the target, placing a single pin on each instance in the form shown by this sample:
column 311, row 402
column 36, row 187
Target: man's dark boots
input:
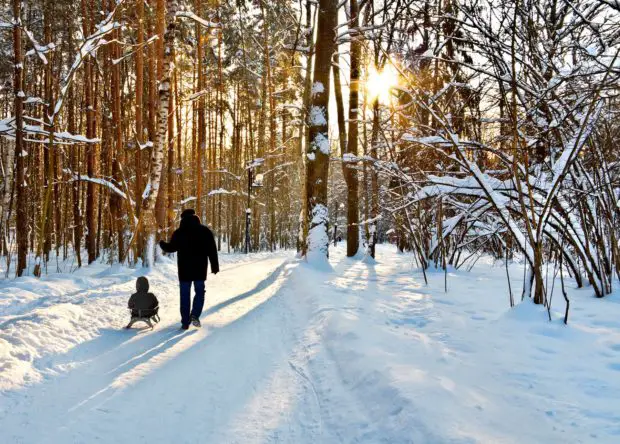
column 195, row 321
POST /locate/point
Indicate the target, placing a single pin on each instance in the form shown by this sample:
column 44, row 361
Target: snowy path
column 124, row 376
column 257, row 371
column 288, row 354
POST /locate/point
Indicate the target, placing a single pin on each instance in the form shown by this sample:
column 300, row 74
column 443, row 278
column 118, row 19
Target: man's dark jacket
column 195, row 246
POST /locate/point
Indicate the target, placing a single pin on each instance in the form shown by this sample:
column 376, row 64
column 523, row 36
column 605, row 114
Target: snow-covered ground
column 364, row 353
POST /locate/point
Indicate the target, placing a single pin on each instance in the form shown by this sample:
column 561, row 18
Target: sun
column 380, row 83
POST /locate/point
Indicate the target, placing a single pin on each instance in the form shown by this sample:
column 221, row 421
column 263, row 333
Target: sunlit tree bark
column 318, row 148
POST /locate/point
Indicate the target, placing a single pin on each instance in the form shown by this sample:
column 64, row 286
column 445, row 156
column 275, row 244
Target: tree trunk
column 170, row 179
column 139, row 114
column 20, row 152
column 350, row 173
column 318, row 148
column 116, row 202
column 269, row 90
column 75, row 186
column 160, row 207
column 201, row 143
column 374, row 180
column 157, row 155
column 303, row 131
column 91, row 222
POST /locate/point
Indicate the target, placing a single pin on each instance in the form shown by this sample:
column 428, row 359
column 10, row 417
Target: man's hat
column 187, row 213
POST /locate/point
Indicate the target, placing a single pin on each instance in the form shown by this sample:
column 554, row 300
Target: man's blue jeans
column 199, row 300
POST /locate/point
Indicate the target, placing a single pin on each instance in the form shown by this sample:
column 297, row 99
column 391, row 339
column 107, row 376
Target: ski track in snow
column 364, row 353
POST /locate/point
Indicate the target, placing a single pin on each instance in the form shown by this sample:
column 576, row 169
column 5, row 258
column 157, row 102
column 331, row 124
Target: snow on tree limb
column 220, row 191
column 189, row 14
column 90, row 45
column 99, row 181
column 37, row 48
column 7, row 129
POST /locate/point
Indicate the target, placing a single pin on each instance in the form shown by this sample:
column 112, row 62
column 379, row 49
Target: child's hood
column 142, row 285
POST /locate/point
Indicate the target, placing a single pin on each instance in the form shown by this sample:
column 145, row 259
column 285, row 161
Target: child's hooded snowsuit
column 142, row 299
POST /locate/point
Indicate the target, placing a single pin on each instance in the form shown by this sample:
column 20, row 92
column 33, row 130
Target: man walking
column 195, row 246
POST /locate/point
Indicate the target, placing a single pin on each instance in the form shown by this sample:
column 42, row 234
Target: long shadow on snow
column 170, row 336
column 96, row 380
column 111, row 340
column 125, row 346
column 112, row 375
column 222, row 369
column 262, row 285
column 121, row 356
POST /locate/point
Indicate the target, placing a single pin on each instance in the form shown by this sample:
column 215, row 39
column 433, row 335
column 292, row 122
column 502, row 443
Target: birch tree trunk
column 8, row 160
column 170, row 182
column 139, row 114
column 160, row 26
column 157, row 154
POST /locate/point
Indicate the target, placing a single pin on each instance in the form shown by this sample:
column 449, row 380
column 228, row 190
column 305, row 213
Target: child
column 143, row 305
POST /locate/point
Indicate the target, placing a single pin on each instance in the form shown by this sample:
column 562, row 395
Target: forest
column 310, row 221
column 453, row 129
